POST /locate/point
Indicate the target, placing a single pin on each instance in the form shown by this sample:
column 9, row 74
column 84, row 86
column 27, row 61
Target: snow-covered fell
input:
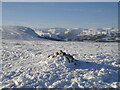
column 79, row 34
column 60, row 34
column 25, row 65
column 52, row 33
column 19, row 33
column 25, row 62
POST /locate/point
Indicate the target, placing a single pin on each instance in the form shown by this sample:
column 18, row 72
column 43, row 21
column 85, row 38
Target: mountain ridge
column 60, row 34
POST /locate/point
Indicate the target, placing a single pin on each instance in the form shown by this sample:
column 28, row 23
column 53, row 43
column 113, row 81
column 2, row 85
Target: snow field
column 25, row 64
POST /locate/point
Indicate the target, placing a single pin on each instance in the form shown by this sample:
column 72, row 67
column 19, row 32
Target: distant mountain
column 60, row 34
column 52, row 33
column 79, row 34
column 18, row 32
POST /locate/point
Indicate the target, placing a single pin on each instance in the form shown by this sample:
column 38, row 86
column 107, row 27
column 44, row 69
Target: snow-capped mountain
column 18, row 32
column 79, row 34
column 60, row 34
column 52, row 33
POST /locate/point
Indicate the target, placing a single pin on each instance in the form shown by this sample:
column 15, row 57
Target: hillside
column 80, row 34
column 60, row 34
column 19, row 33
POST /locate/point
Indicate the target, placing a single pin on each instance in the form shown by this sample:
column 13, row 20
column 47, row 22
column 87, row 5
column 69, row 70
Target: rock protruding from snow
column 63, row 58
column 18, row 32
column 24, row 65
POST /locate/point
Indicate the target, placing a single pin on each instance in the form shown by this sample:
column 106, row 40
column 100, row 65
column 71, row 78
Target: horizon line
column 56, row 27
column 59, row 0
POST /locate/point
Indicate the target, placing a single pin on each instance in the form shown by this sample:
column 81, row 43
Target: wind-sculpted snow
column 25, row 64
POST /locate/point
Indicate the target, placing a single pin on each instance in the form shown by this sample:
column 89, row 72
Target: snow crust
column 25, row 64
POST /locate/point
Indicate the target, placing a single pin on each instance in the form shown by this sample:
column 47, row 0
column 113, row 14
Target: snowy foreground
column 25, row 64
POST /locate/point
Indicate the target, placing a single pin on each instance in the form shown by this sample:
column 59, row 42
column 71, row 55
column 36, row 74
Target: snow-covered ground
column 25, row 64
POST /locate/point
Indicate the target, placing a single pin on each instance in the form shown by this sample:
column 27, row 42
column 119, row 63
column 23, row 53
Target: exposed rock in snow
column 65, row 57
column 25, row 65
